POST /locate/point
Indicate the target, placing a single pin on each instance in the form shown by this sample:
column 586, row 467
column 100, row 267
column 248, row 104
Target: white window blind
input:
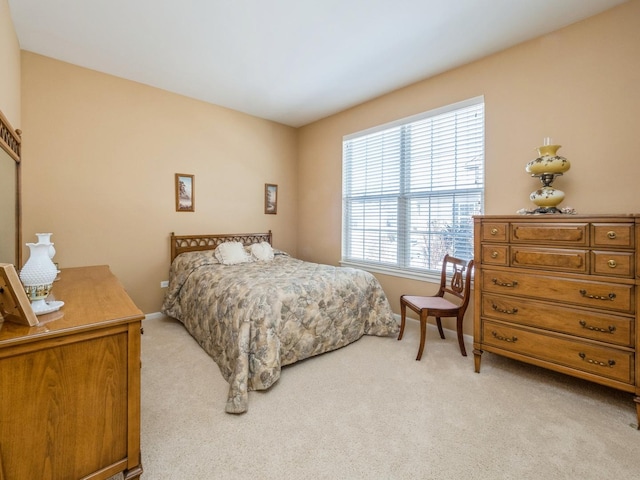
column 411, row 187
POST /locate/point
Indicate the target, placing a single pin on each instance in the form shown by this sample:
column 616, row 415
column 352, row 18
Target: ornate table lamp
column 547, row 167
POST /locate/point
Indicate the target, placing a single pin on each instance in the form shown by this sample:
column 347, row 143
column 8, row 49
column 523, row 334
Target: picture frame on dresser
column 14, row 303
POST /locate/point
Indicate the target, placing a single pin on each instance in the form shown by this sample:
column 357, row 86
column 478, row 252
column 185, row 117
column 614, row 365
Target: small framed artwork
column 14, row 303
column 270, row 198
column 185, row 193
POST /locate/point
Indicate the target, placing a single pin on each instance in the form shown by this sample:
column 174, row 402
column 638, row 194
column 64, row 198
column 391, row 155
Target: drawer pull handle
column 513, row 311
column 504, row 339
column 611, row 328
column 494, row 231
column 611, row 296
column 494, row 254
column 611, row 234
column 503, row 284
column 612, row 264
column 609, row 363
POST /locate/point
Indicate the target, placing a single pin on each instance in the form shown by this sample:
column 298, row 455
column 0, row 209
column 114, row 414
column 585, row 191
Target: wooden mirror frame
column 10, row 142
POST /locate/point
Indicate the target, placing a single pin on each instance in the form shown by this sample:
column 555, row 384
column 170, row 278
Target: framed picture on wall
column 270, row 198
column 185, row 193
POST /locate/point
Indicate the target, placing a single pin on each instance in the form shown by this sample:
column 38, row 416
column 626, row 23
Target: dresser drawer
column 556, row 259
column 602, row 295
column 617, row 264
column 613, row 235
column 603, row 327
column 495, row 254
column 571, row 234
column 494, row 231
column 599, row 360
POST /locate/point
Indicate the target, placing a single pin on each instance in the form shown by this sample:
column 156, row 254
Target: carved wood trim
column 9, row 138
column 193, row 243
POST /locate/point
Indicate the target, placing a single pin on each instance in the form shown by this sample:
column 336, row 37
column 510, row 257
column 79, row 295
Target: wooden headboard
column 193, row 243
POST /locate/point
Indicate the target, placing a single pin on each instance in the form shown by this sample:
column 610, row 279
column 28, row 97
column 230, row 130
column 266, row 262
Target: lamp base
column 546, row 210
column 41, row 307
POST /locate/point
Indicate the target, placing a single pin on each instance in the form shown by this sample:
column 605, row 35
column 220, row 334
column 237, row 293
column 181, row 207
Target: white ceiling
column 291, row 61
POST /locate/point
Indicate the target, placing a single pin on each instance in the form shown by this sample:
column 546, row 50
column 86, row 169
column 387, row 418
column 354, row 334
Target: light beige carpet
column 370, row 411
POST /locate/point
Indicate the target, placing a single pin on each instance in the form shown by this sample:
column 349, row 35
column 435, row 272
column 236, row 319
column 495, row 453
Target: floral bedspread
column 254, row 318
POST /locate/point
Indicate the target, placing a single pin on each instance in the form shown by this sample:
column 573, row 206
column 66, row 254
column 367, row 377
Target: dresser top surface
column 92, row 297
column 626, row 217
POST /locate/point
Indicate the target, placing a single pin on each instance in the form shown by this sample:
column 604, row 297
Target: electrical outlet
column 164, row 284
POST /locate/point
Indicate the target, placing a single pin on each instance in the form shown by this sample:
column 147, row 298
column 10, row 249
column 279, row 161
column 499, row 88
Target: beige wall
column 100, row 154
column 579, row 85
column 9, row 67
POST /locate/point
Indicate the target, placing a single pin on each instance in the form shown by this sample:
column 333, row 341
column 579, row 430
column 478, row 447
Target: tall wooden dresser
column 561, row 292
column 70, row 387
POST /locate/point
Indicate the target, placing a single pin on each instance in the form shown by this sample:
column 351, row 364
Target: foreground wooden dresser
column 560, row 292
column 70, row 388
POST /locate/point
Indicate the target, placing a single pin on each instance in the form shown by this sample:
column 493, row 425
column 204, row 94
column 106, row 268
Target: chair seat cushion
column 435, row 303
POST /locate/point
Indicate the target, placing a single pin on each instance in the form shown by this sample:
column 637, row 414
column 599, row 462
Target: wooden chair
column 437, row 306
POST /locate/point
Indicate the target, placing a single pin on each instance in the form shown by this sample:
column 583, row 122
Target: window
column 410, row 189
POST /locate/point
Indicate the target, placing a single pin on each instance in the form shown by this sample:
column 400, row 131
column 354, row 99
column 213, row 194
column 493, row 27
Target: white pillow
column 231, row 253
column 262, row 251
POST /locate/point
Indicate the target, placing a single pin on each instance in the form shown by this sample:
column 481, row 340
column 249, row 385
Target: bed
column 253, row 317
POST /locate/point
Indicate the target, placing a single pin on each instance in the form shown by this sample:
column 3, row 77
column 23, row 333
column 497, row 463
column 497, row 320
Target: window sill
column 433, row 277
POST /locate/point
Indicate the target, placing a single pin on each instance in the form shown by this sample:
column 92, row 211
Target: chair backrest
column 460, row 283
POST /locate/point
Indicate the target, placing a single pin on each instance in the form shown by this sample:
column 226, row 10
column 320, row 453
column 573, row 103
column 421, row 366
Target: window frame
column 399, row 269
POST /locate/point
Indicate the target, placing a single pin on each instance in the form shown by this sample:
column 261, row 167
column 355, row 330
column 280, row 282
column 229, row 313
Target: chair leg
column 460, row 335
column 439, row 323
column 403, row 315
column 423, row 334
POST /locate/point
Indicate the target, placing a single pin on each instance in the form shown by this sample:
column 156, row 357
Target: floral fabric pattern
column 255, row 318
